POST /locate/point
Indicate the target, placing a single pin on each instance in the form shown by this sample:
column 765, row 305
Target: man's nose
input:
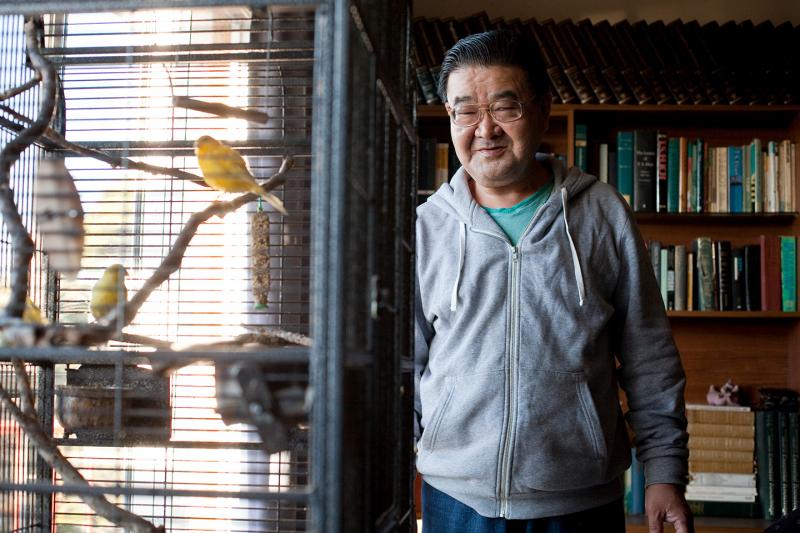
column 487, row 126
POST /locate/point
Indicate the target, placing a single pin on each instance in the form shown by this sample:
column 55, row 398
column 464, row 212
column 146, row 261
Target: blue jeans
column 443, row 514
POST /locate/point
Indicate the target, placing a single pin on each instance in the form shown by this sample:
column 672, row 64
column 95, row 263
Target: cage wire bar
column 184, row 449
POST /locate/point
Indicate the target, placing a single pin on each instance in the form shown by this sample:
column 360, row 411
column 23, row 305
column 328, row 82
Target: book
column 607, row 68
column 680, row 277
column 718, row 496
column 691, row 285
column 670, row 277
column 788, row 245
column 558, row 79
column 730, row 467
column 724, row 509
column 625, row 165
column 707, row 429
column 673, row 162
column 783, row 463
column 724, row 276
column 574, row 75
column 794, row 459
column 770, row 273
column 644, row 171
column 701, row 38
column 581, row 147
column 702, row 248
column 602, row 163
column 732, row 456
column 737, row 263
column 654, row 57
column 663, row 275
column 655, row 259
column 687, row 52
column 756, row 176
column 637, row 60
column 719, row 414
column 637, row 485
column 735, row 175
column 661, row 172
column 579, row 49
column 427, row 164
column 612, row 169
column 722, row 443
column 767, row 463
column 629, row 73
column 727, row 480
column 752, row 277
column 676, row 62
column 683, row 175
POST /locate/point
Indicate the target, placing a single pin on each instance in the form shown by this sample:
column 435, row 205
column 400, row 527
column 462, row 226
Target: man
column 531, row 281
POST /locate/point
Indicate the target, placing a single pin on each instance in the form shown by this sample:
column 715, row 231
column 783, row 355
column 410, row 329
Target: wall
column 614, row 10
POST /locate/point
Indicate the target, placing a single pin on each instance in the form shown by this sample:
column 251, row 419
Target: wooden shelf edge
column 721, row 218
column 734, row 314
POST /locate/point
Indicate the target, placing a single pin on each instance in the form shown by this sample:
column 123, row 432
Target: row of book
column 636, row 63
column 717, row 276
column 778, row 460
column 658, row 173
column 722, row 476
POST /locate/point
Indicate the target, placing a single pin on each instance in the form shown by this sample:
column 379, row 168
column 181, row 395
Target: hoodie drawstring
column 576, row 265
column 462, row 250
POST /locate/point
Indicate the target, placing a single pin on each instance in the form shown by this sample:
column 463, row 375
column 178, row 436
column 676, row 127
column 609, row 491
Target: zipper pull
column 515, row 255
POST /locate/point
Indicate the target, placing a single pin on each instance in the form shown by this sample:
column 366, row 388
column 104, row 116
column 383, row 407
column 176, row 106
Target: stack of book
column 659, row 173
column 722, row 479
column 635, row 63
column 717, row 276
column 777, row 459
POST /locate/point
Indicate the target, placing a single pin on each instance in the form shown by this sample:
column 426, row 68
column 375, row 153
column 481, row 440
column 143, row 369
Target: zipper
column 505, row 476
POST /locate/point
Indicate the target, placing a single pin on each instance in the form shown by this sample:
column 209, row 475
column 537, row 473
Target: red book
column 770, row 273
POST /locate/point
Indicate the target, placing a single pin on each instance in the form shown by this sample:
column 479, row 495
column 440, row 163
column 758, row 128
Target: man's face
column 496, row 154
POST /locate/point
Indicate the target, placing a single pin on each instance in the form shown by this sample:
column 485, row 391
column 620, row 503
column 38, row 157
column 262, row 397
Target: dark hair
column 496, row 48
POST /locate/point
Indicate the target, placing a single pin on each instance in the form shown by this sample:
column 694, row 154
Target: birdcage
column 176, row 351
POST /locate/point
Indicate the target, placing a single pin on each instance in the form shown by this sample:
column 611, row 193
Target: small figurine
column 728, row 394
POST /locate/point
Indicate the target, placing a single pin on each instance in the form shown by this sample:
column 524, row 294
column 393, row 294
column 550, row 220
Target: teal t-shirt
column 513, row 220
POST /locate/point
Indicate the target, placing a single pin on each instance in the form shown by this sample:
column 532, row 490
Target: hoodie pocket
column 559, row 442
column 462, row 439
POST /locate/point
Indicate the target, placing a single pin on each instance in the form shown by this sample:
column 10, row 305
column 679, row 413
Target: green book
column 581, row 146
column 725, row 509
column 698, row 175
column 702, row 248
column 789, row 273
column 673, row 177
column 625, row 165
column 756, row 176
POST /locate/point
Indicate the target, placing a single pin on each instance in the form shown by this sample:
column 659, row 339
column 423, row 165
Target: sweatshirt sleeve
column 650, row 370
column 423, row 332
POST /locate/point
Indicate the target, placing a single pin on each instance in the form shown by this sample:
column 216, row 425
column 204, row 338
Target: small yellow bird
column 225, row 170
column 32, row 314
column 108, row 291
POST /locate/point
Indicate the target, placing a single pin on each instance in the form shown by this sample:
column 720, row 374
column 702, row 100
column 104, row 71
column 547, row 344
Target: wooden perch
column 47, row 448
column 116, row 162
column 20, row 239
column 221, row 110
column 14, row 91
column 174, row 258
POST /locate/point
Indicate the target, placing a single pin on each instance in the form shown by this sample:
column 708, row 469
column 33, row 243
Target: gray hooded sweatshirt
column 517, row 402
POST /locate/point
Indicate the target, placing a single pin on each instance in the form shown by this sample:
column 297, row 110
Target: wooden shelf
column 703, row 524
column 749, row 315
column 716, row 218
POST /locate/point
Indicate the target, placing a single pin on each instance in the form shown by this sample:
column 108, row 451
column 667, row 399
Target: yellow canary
column 108, row 291
column 32, row 314
column 225, row 170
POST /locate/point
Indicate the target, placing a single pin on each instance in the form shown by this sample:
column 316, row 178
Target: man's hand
column 664, row 502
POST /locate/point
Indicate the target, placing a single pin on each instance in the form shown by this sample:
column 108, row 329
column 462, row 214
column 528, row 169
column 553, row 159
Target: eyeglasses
column 500, row 110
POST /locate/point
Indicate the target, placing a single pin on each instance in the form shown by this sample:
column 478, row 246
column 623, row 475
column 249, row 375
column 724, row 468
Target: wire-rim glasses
column 504, row 110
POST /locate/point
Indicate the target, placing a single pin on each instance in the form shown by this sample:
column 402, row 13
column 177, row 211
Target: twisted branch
column 14, row 91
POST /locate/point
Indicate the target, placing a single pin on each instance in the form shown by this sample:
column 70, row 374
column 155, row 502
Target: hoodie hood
column 455, row 200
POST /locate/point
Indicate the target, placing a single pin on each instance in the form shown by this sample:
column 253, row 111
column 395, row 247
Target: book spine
column 637, row 486
column 724, row 509
column 630, row 47
column 677, row 62
column 705, row 429
column 738, row 279
column 608, row 70
column 577, row 48
column 727, row 480
column 625, row 165
column 680, row 280
column 602, row 171
column 663, row 274
column 581, row 147
column 629, row 73
column 733, row 456
column 698, row 175
column 442, row 159
column 735, row 172
column 662, row 190
column 724, row 275
column 683, row 177
column 691, row 284
column 788, row 273
column 654, row 57
column 770, row 273
column 762, row 466
column 673, row 178
column 752, row 277
column 705, row 274
column 644, row 171
column 571, row 70
column 756, row 176
column 794, row 459
column 713, row 94
column 722, row 443
column 557, row 77
column 783, row 463
column 723, row 467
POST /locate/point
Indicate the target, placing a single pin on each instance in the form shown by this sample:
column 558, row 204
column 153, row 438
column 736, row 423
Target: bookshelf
column 754, row 348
